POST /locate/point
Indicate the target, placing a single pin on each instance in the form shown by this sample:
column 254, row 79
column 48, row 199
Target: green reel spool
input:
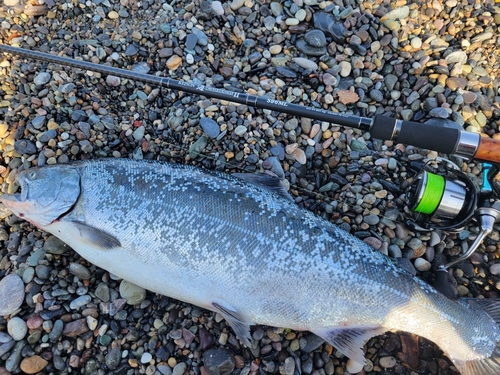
column 433, row 189
column 435, row 195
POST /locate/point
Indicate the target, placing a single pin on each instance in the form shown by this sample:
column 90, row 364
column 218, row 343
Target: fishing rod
column 442, row 139
column 443, row 201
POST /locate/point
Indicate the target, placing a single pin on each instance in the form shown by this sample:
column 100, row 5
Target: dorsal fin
column 270, row 183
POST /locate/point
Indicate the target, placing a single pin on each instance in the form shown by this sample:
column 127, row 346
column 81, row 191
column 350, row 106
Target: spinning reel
column 448, row 200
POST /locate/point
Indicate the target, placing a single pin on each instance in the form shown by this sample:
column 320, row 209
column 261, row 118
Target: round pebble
column 134, row 294
column 17, row 328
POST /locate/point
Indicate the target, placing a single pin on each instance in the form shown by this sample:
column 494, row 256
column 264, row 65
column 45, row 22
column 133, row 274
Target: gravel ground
column 422, row 61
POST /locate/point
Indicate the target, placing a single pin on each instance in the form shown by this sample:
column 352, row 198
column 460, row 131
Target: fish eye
column 32, row 175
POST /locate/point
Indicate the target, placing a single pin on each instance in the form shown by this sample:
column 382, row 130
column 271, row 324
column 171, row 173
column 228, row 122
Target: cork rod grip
column 488, row 150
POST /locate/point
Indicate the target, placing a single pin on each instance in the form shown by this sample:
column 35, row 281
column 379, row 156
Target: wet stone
column 67, row 88
column 38, row 122
column 56, row 331
column 456, row 57
column 79, row 271
column 11, row 294
column 17, row 328
column 79, row 302
column 218, row 361
column 33, row 364
column 376, row 95
column 54, row 245
column 206, row 339
column 315, row 38
column 15, row 356
column 102, row 292
column 134, row 294
column 439, row 112
column 48, row 135
column 191, row 41
column 42, row 78
column 326, row 23
column 25, row 146
column 113, row 358
column 75, row 328
column 286, row 72
column 309, row 50
column 131, row 50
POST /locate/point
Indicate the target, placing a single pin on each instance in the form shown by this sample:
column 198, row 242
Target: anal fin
column 350, row 340
column 237, row 322
column 96, row 237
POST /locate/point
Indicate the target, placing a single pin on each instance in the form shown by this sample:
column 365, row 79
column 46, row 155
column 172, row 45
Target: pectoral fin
column 350, row 340
column 237, row 322
column 96, row 237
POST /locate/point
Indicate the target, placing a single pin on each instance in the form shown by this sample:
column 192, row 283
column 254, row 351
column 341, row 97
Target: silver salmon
column 247, row 252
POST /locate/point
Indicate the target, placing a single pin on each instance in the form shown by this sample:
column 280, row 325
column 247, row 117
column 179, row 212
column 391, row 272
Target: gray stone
column 17, row 328
column 11, row 294
column 47, row 136
column 376, row 95
column 134, row 294
column 439, row 112
column 12, row 363
column 456, row 57
column 42, row 78
column 315, row 38
column 113, row 358
column 25, row 146
column 79, row 271
column 390, row 81
column 80, row 302
column 210, row 127
column 54, row 245
column 56, row 331
column 67, row 88
column 38, row 122
column 218, row 361
column 309, row 50
column 191, row 41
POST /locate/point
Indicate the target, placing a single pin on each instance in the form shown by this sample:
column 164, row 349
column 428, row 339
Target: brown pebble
column 34, row 364
column 34, row 322
column 33, row 11
column 373, row 242
column 75, row 328
column 469, row 97
column 347, row 96
column 174, row 62
column 239, row 361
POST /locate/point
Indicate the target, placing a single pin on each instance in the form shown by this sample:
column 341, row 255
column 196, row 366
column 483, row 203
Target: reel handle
column 488, row 150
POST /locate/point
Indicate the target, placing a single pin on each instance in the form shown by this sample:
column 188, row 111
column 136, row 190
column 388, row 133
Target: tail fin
column 487, row 366
column 490, row 365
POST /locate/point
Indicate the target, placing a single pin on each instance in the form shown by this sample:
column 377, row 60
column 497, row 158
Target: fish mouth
column 10, row 200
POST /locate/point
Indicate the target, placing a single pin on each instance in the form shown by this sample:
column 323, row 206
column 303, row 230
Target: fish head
column 47, row 193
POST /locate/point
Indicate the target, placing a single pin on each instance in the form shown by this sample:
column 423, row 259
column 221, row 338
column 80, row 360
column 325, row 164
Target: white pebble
column 146, row 358
column 416, row 42
column 17, row 328
column 495, row 269
column 387, row 362
column 217, row 7
column 354, row 367
column 422, row 265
